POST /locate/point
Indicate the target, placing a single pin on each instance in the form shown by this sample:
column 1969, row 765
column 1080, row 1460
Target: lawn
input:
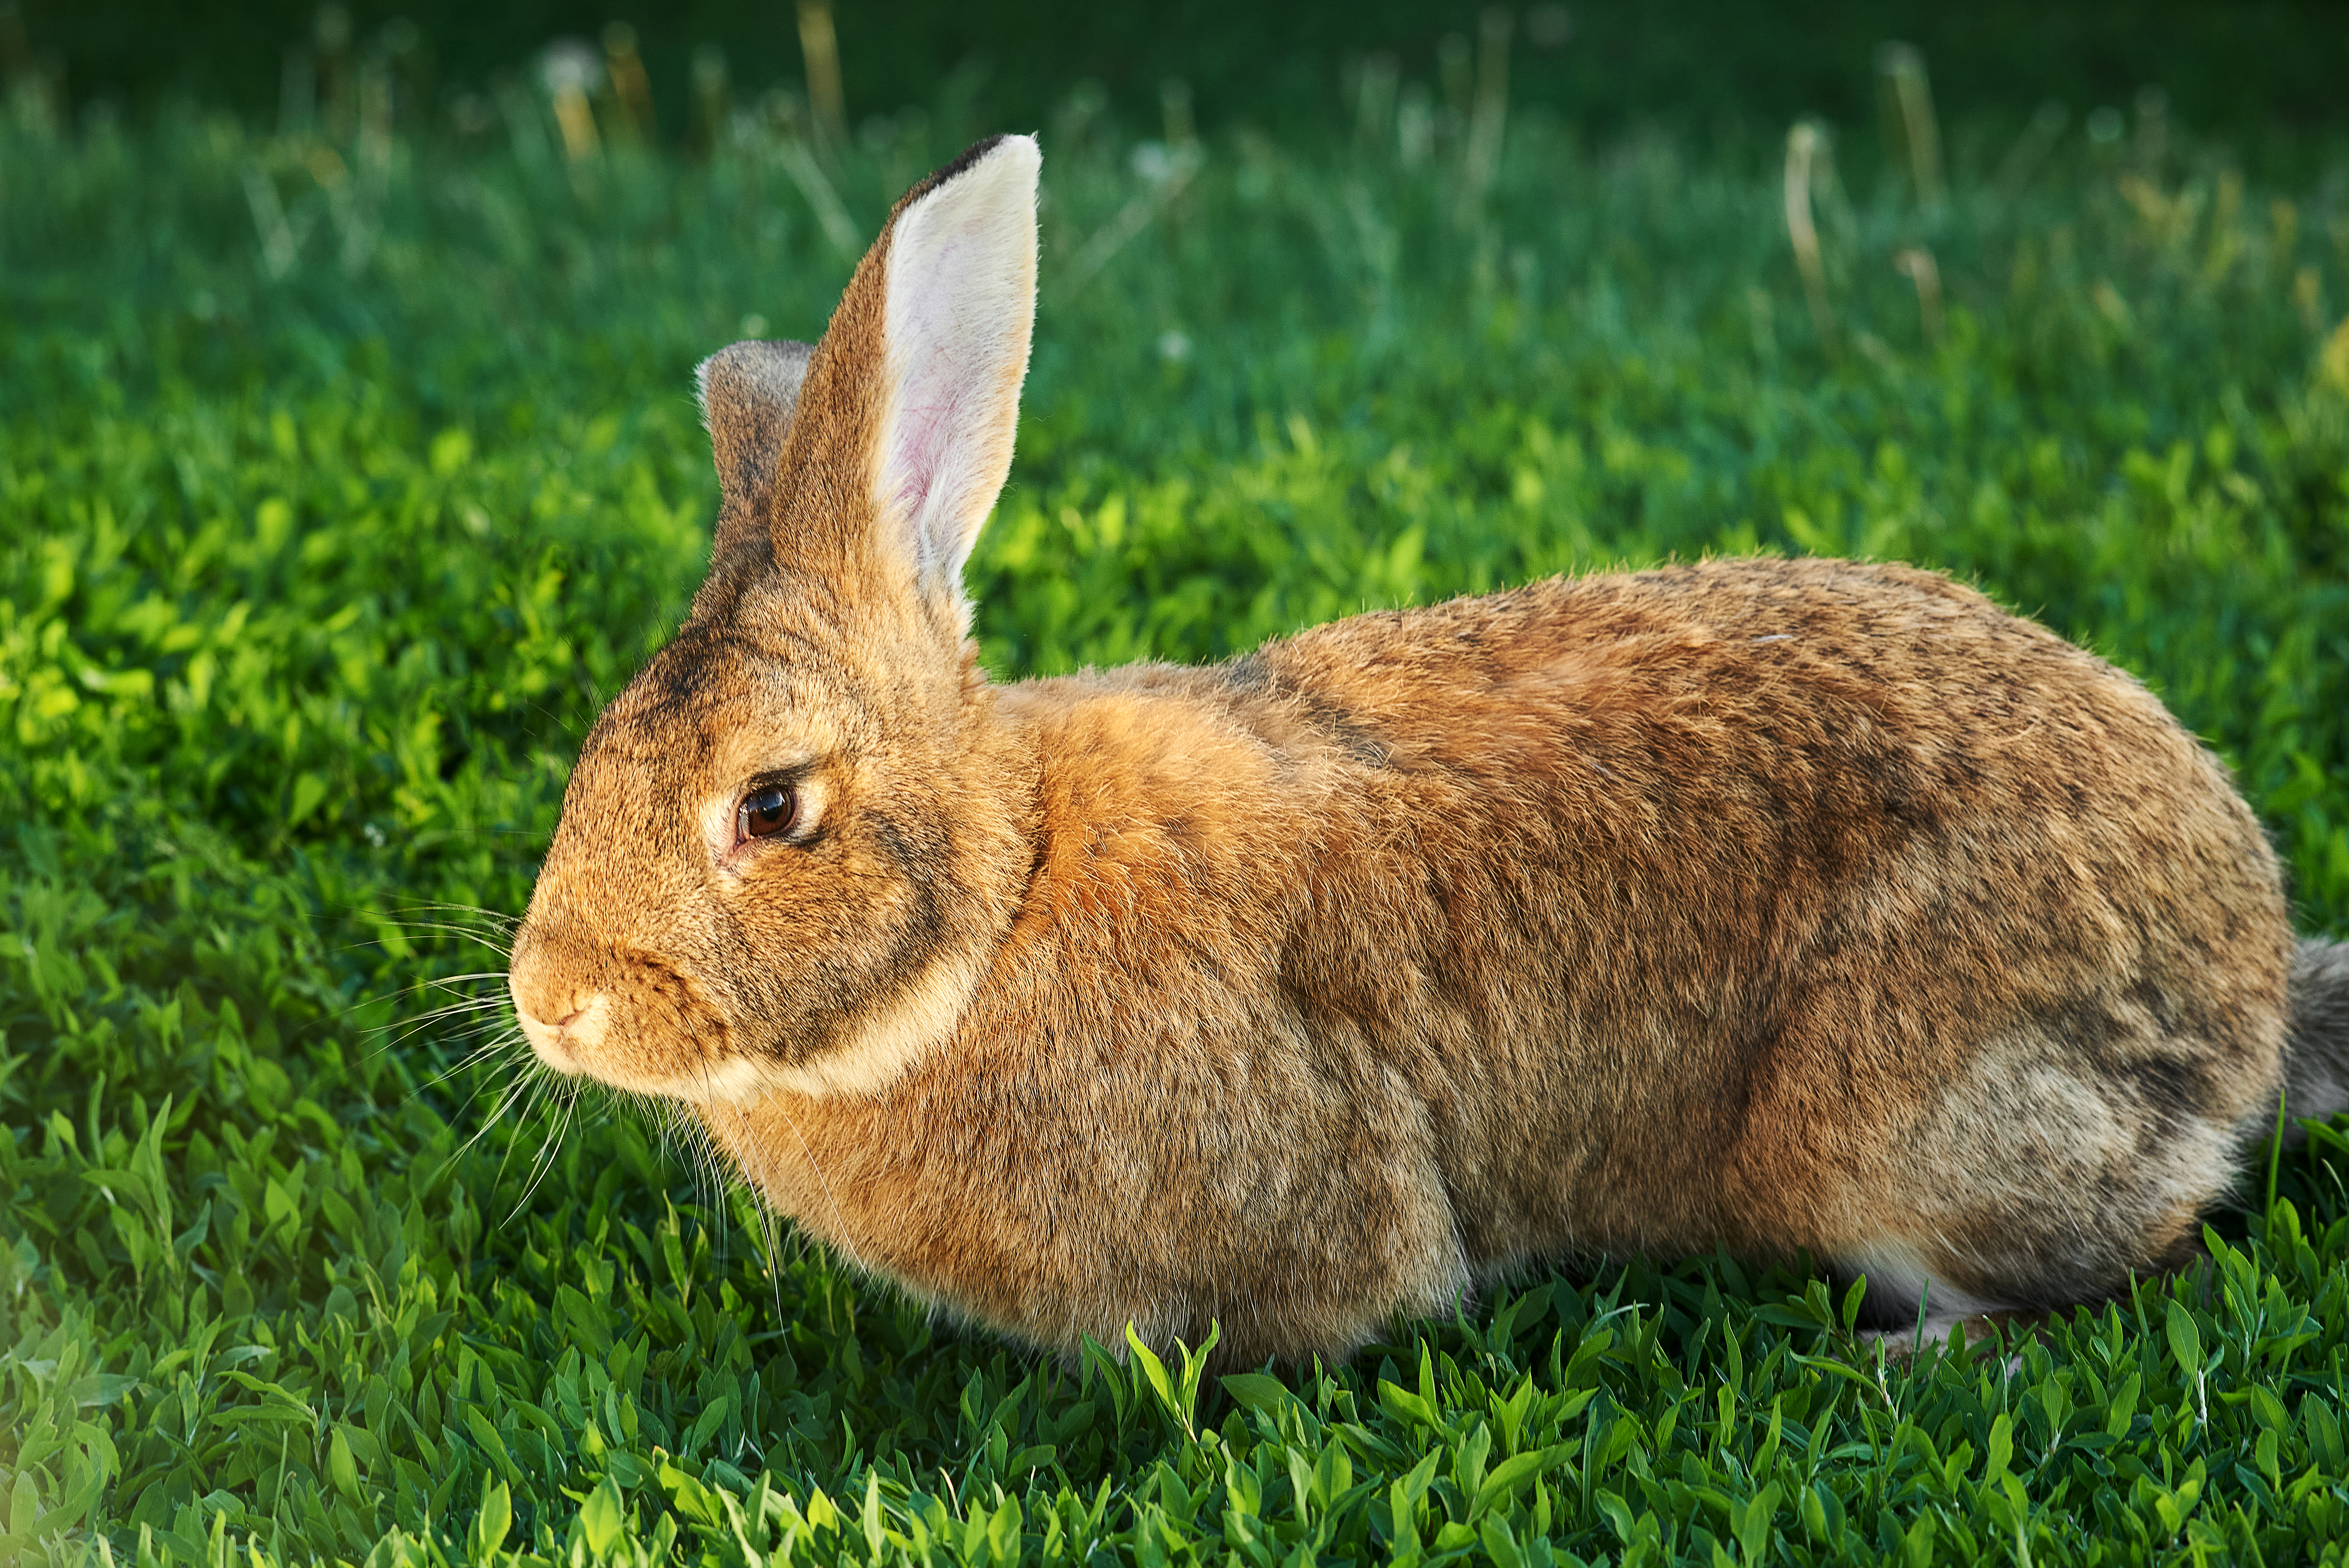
column 342, row 477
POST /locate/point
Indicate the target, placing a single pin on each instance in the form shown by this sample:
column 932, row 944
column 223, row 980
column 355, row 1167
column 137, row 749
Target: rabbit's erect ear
column 748, row 392
column 958, row 304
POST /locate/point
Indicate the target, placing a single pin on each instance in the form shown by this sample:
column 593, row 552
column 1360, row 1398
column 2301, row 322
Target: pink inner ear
column 947, row 360
column 931, row 392
column 961, row 296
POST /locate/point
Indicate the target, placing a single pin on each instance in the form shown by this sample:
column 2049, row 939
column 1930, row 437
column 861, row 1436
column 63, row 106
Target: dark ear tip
column 962, row 163
column 969, row 156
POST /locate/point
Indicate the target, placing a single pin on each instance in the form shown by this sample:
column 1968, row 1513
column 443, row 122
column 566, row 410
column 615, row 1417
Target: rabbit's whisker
column 380, row 999
column 445, row 928
column 770, row 1229
column 533, row 1083
column 549, row 1149
column 448, row 906
column 847, row 1237
column 467, row 1032
column 410, row 1029
column 493, row 1047
column 496, row 917
column 515, row 1090
column 445, row 1010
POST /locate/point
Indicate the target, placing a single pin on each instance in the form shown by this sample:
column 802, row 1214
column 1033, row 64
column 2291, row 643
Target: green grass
column 315, row 560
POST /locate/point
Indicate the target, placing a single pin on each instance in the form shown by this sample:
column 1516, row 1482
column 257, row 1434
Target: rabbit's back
column 1790, row 903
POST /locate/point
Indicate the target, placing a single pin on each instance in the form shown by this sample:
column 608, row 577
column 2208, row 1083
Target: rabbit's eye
column 766, row 813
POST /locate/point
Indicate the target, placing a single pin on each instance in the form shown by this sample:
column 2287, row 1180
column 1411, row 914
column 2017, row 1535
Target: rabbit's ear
column 958, row 303
column 748, row 393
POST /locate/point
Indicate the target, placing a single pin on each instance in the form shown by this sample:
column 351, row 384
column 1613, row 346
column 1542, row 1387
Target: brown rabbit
column 1773, row 904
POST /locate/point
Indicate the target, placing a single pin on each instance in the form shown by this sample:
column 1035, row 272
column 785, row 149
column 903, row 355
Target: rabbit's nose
column 560, row 1044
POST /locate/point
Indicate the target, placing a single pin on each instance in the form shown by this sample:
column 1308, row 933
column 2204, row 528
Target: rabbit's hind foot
column 1903, row 1292
column 1932, row 1331
column 1906, row 1308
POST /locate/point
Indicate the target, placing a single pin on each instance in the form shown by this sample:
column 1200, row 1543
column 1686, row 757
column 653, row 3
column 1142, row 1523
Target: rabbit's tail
column 2317, row 1045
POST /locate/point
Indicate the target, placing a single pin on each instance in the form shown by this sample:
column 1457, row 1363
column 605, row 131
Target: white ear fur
column 958, row 312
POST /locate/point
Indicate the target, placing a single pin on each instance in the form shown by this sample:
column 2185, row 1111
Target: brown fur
column 1772, row 904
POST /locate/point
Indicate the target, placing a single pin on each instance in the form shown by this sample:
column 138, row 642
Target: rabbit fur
column 1775, row 905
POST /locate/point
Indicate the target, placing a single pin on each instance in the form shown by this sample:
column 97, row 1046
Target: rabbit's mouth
column 561, row 1043
column 647, row 1028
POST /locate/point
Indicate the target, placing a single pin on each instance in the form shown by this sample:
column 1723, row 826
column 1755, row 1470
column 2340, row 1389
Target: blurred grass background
column 348, row 461
column 2265, row 72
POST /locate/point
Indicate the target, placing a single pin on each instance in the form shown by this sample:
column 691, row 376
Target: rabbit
column 1786, row 906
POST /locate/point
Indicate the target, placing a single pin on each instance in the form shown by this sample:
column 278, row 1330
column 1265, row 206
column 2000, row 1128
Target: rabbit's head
column 789, row 842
